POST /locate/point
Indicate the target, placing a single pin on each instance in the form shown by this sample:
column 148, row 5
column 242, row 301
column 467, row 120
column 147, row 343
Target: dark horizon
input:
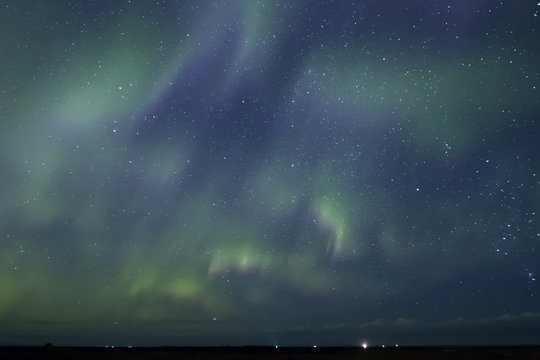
column 250, row 352
column 270, row 172
column 517, row 332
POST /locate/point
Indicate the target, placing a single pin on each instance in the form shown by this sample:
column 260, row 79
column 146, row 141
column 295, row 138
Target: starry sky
column 269, row 172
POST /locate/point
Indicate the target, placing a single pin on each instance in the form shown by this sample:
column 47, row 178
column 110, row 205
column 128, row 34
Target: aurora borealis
column 269, row 172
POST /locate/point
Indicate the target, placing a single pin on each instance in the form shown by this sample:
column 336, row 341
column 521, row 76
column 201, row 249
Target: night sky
column 269, row 172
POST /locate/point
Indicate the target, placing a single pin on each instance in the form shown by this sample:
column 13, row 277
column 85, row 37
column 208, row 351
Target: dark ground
column 51, row 352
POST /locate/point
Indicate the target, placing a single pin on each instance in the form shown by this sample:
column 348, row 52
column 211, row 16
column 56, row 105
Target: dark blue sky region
column 269, row 172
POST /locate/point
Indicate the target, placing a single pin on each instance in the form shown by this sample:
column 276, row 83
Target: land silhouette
column 261, row 352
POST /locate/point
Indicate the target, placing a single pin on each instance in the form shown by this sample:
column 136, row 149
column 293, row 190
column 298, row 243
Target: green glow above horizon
column 265, row 170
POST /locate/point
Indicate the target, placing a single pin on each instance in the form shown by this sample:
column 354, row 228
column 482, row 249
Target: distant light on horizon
column 364, row 345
